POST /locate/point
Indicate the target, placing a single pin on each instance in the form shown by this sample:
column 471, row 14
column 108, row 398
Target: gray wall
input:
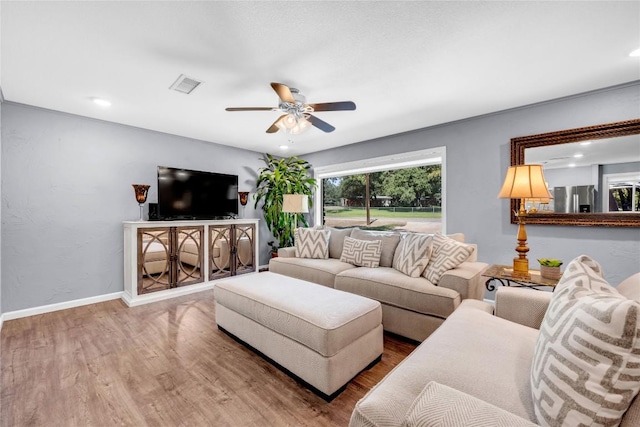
column 477, row 156
column 1, row 103
column 66, row 188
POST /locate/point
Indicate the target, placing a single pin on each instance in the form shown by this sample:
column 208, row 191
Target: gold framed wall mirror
column 592, row 172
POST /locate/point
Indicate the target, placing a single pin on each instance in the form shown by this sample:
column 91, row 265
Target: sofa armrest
column 287, row 252
column 439, row 405
column 521, row 305
column 466, row 279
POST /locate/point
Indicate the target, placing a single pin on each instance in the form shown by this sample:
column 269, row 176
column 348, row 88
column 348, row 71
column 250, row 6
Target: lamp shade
column 295, row 203
column 524, row 182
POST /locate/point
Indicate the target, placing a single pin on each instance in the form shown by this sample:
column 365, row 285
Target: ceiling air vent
column 185, row 84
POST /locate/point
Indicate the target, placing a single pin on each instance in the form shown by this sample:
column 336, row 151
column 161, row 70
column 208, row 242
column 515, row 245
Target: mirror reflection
column 589, row 176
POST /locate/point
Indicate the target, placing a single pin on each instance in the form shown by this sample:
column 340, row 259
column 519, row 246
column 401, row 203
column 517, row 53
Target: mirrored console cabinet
column 165, row 259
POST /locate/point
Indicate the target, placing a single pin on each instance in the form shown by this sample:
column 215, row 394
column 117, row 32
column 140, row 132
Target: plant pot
column 551, row 273
column 274, row 254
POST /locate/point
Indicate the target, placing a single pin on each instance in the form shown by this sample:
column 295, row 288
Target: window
column 623, row 192
column 405, row 191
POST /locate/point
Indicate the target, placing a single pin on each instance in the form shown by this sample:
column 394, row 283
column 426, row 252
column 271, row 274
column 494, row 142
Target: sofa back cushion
column 447, row 253
column 362, row 253
column 630, row 287
column 586, row 361
column 311, row 243
column 389, row 240
column 412, row 254
column 336, row 240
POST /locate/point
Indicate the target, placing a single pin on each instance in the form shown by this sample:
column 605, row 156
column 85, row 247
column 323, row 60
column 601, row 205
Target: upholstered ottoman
column 323, row 336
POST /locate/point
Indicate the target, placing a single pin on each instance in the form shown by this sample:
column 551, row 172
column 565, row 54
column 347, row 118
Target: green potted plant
column 280, row 176
column 550, row 268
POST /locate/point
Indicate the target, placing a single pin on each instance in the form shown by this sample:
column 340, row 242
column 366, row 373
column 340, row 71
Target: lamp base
column 521, row 268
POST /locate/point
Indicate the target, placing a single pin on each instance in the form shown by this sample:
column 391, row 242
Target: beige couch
column 411, row 307
column 475, row 370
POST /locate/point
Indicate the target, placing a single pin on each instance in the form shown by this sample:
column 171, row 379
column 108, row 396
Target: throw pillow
column 446, row 254
column 586, row 361
column 362, row 253
column 412, row 254
column 389, row 240
column 311, row 243
column 441, row 405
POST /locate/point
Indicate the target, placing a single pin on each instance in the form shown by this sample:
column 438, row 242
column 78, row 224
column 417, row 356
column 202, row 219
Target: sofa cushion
column 320, row 271
column 446, row 254
column 389, row 243
column 440, row 405
column 361, row 252
column 336, row 239
column 412, row 254
column 630, row 287
column 586, row 363
column 311, row 243
column 473, row 352
column 391, row 287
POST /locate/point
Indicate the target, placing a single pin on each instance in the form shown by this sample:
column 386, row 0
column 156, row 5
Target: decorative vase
column 551, row 273
column 141, row 196
column 244, row 198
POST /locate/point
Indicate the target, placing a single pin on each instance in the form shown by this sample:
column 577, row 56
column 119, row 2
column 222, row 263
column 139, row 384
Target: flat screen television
column 189, row 194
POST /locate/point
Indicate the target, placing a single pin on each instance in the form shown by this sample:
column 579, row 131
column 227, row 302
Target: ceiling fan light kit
column 297, row 115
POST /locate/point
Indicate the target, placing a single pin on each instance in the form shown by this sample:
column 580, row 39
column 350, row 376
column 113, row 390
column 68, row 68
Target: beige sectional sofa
column 411, row 306
column 478, row 368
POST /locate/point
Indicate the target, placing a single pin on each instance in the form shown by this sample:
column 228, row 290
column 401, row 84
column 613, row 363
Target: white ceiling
column 406, row 65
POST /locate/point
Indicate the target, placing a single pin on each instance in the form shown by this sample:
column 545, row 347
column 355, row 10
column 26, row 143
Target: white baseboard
column 59, row 306
column 166, row 294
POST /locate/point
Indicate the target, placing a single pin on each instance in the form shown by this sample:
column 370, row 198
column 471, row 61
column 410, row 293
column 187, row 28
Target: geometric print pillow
column 586, row 364
column 311, row 243
column 412, row 254
column 362, row 253
column 446, row 254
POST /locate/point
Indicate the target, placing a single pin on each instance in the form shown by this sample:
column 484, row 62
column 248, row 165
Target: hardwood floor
column 161, row 364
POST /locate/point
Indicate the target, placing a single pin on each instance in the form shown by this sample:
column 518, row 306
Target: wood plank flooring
column 161, row 364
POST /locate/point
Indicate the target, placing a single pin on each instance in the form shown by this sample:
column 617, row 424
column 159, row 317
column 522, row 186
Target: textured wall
column 66, row 188
column 477, row 156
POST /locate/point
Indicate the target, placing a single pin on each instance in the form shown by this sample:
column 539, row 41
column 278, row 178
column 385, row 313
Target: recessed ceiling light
column 572, row 165
column 577, row 156
column 635, row 53
column 284, row 147
column 585, row 143
column 101, row 102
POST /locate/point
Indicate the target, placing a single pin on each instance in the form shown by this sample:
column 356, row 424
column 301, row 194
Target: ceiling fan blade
column 274, row 127
column 250, row 109
column 284, row 93
column 321, row 124
column 334, row 106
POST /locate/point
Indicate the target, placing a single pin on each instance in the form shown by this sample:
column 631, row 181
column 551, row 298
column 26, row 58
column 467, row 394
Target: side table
column 503, row 274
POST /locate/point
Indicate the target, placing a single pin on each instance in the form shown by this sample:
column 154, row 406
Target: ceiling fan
column 297, row 113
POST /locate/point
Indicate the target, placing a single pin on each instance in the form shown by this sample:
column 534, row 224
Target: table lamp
column 295, row 204
column 523, row 182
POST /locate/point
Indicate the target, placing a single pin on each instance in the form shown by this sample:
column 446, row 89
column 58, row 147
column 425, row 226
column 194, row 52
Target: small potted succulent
column 550, row 268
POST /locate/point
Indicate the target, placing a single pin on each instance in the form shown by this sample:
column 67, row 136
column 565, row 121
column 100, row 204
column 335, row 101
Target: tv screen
column 189, row 194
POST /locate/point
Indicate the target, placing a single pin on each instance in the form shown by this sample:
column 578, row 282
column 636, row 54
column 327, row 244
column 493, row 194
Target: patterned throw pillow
column 363, row 253
column 446, row 254
column 311, row 243
column 389, row 239
column 586, row 361
column 412, row 254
